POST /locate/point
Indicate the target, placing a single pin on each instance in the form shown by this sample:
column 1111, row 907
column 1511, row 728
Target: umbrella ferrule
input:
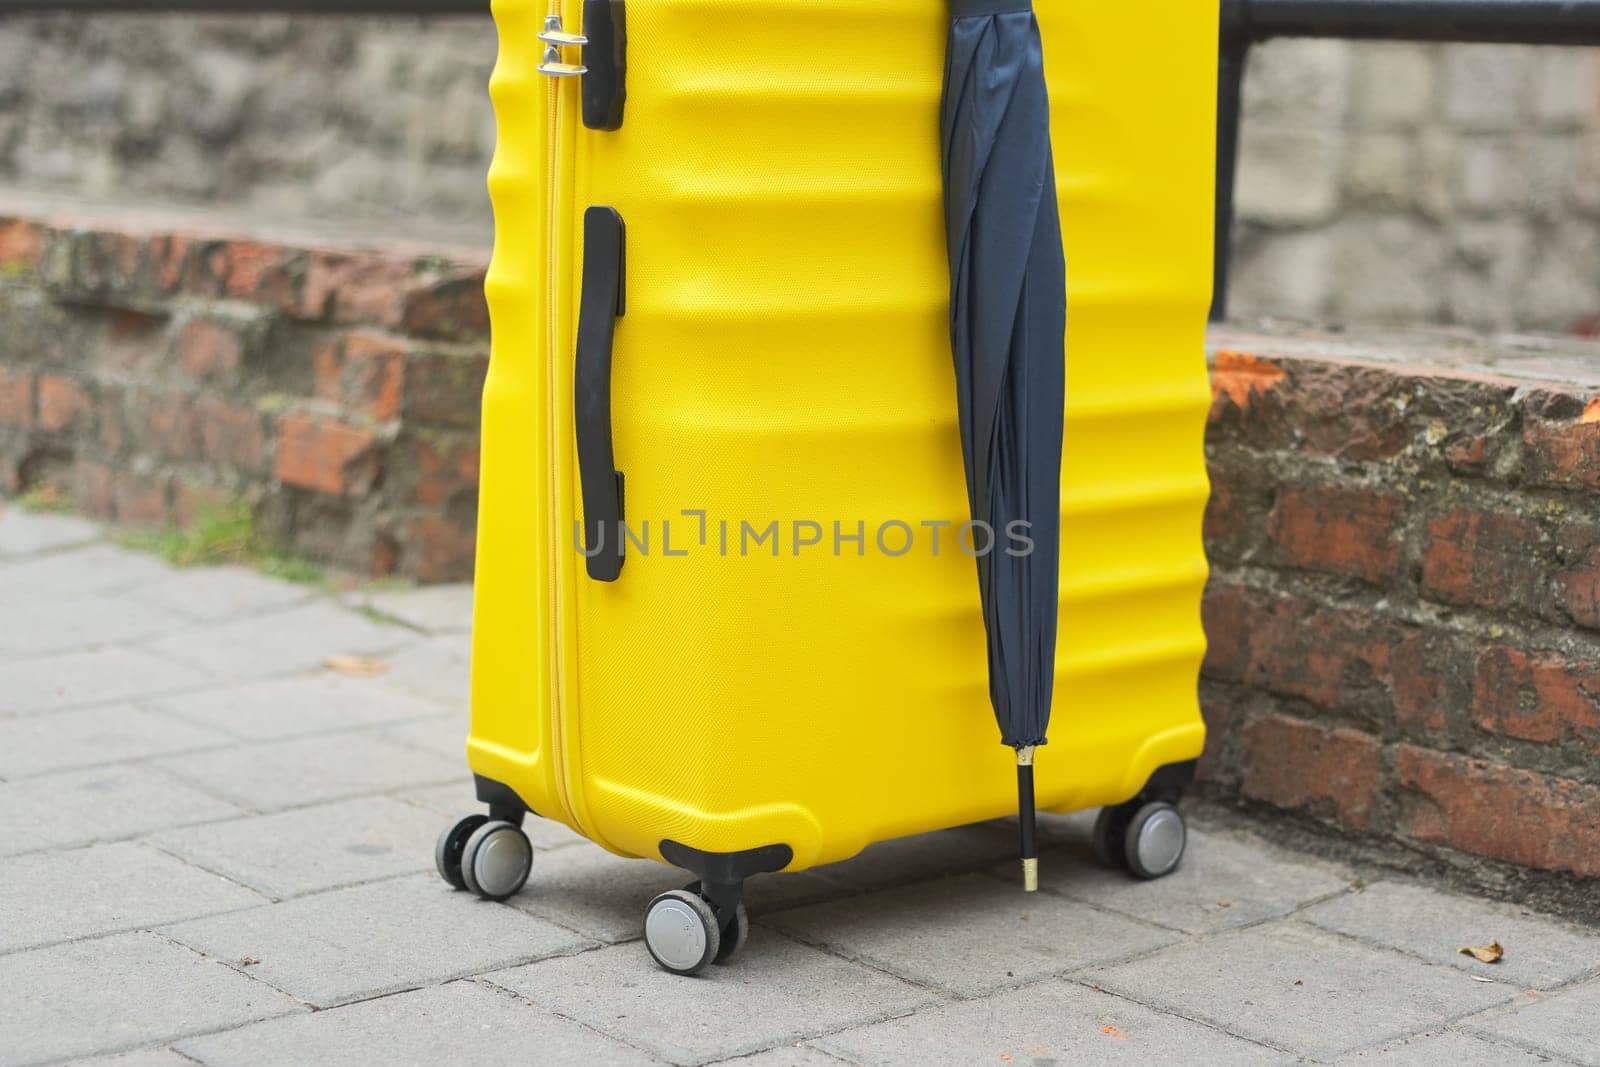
column 1025, row 756
column 1030, row 874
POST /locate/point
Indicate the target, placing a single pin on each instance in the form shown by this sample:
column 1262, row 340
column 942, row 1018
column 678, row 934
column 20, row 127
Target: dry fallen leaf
column 1489, row 953
column 1224, row 903
column 358, row 666
column 1005, row 1056
column 1299, row 981
column 1113, row 1032
column 249, row 961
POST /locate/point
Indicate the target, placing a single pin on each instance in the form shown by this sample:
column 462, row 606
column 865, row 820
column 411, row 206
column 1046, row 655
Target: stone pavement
column 217, row 850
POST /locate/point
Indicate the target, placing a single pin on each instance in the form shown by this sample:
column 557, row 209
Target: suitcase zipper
column 553, row 340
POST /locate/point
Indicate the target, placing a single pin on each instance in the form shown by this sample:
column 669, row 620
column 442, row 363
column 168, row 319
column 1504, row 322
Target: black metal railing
column 1246, row 22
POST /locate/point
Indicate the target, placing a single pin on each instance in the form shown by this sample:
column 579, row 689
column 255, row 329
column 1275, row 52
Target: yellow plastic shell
column 784, row 356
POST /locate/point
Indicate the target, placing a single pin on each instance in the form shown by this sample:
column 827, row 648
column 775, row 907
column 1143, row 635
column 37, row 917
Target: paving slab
column 109, row 733
column 64, row 895
column 42, row 627
column 78, row 572
column 932, row 855
column 1445, row 1047
column 271, row 775
column 1052, row 1022
column 1565, row 1024
column 148, row 1057
column 604, row 896
column 450, row 802
column 462, row 1022
column 361, row 942
column 777, row 992
column 439, row 609
column 317, row 702
column 24, row 533
column 969, row 934
column 444, row 734
column 74, row 679
column 434, row 668
column 1540, row 952
column 798, row 1055
column 1223, row 882
column 1300, row 988
column 309, row 850
column 101, row 804
column 290, row 639
column 119, row 992
column 217, row 594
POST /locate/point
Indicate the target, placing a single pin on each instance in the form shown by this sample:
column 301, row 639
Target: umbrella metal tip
column 1030, row 875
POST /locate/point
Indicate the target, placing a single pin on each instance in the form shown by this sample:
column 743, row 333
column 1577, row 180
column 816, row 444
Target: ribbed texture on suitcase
column 785, row 357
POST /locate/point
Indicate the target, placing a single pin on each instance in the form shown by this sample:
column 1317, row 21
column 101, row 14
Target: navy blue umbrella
column 1007, row 327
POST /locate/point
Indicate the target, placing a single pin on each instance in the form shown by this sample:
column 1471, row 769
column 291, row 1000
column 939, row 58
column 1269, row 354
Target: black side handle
column 605, row 84
column 599, row 308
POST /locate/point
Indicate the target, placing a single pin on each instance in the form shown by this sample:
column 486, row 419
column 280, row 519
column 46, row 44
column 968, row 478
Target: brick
column 1431, row 925
column 1227, row 612
column 1054, row 1022
column 1579, row 588
column 618, row 992
column 356, row 288
column 326, row 455
column 1238, row 377
column 21, row 244
column 446, row 469
column 122, row 991
column 1544, row 697
column 191, row 502
column 460, row 1022
column 1420, row 671
column 94, row 489
column 1335, row 658
column 1484, row 558
column 210, row 351
column 163, row 426
column 141, row 499
column 261, row 272
column 446, row 389
column 1295, row 987
column 1500, row 812
column 1236, row 513
column 365, row 372
column 1330, row 774
column 63, row 403
column 353, row 944
column 439, row 549
column 110, row 419
column 106, row 889
column 16, row 398
column 1561, row 453
column 450, row 308
column 231, row 434
column 1348, row 531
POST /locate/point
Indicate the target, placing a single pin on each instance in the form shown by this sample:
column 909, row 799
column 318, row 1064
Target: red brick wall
column 1404, row 612
column 148, row 373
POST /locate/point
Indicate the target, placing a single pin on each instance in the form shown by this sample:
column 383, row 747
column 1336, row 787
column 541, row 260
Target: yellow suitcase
column 780, row 353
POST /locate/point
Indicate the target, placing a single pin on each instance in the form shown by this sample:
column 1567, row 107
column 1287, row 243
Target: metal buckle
column 557, row 38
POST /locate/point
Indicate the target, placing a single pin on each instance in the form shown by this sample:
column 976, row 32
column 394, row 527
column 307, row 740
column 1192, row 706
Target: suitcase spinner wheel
column 487, row 856
column 1145, row 836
